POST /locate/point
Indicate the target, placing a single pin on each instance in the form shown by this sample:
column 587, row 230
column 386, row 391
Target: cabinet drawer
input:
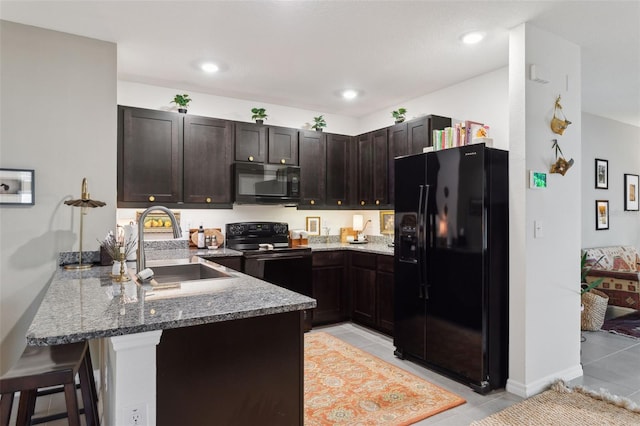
column 330, row 258
column 385, row 263
column 363, row 260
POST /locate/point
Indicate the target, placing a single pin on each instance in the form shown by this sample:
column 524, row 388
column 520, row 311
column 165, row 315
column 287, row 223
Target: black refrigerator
column 452, row 263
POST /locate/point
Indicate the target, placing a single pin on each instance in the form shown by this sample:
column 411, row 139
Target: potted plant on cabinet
column 594, row 302
column 182, row 101
column 259, row 114
column 319, row 123
column 399, row 114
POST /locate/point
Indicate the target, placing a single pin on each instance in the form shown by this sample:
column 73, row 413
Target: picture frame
column 313, row 225
column 631, row 192
column 602, row 215
column 17, row 187
column 471, row 127
column 387, row 224
column 602, row 174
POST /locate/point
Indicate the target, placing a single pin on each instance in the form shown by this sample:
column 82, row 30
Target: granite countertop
column 82, row 305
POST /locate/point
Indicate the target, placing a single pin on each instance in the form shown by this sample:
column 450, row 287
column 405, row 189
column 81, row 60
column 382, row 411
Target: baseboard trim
column 526, row 390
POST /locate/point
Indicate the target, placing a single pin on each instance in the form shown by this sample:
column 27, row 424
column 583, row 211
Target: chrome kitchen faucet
column 177, row 233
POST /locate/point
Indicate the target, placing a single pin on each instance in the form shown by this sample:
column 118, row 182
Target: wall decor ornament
column 602, row 174
column 17, row 186
column 561, row 165
column 559, row 125
column 313, row 225
column 631, row 192
column 602, row 215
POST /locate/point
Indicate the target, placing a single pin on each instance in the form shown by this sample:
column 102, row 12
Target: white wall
column 58, row 116
column 483, row 99
column 618, row 143
column 544, row 312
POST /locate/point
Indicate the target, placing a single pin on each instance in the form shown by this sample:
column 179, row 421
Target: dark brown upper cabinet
column 282, row 146
column 372, row 165
column 207, row 158
column 149, row 156
column 340, row 189
column 313, row 168
column 251, row 142
column 420, row 131
column 397, row 147
column 176, row 160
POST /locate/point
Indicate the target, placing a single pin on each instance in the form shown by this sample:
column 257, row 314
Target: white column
column 130, row 388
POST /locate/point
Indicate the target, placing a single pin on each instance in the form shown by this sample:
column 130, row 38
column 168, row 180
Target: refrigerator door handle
column 422, row 236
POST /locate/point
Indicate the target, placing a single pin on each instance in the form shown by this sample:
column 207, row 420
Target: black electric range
column 267, row 256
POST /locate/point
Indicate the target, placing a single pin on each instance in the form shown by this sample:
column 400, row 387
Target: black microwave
column 266, row 183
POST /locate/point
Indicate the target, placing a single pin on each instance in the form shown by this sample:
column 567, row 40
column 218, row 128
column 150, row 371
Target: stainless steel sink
column 186, row 277
column 188, row 272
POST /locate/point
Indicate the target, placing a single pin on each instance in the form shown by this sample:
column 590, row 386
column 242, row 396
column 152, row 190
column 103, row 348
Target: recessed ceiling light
column 209, row 67
column 349, row 94
column 473, row 37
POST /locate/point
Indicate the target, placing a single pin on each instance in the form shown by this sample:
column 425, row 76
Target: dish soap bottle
column 201, row 240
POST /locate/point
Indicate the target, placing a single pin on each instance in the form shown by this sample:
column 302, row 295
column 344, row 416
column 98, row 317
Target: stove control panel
column 257, row 229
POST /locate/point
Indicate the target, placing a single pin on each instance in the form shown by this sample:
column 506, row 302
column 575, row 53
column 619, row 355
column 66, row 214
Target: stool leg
column 26, row 407
column 5, row 408
column 87, row 386
column 72, row 404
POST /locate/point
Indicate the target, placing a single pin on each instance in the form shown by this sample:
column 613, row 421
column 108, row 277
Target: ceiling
column 302, row 53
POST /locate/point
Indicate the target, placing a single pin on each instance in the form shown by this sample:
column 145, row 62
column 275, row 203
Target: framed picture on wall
column 602, row 214
column 17, row 186
column 631, row 192
column 602, row 174
column 313, row 225
column 386, row 222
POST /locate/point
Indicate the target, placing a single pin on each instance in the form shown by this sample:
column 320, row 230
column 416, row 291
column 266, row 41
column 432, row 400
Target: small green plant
column 259, row 114
column 181, row 100
column 584, row 271
column 319, row 123
column 399, row 114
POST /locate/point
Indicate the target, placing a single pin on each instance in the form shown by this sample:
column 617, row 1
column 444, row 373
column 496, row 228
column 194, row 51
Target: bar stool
column 46, row 366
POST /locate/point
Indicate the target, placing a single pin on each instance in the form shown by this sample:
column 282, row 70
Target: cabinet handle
column 362, row 203
column 377, row 202
column 282, row 161
column 251, row 158
column 339, row 202
column 208, row 200
column 152, row 198
column 312, row 202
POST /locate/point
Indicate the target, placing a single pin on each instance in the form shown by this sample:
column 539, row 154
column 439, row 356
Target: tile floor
column 609, row 361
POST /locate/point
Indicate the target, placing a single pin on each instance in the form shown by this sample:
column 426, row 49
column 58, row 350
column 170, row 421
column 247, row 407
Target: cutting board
column 347, row 232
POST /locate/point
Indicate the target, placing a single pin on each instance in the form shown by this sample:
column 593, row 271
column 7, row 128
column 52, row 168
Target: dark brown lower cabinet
column 233, row 262
column 329, row 287
column 372, row 290
column 240, row 372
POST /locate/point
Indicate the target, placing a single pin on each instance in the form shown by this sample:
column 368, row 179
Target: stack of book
column 461, row 134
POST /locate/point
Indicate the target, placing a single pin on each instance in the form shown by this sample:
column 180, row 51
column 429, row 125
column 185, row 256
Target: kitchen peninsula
column 230, row 352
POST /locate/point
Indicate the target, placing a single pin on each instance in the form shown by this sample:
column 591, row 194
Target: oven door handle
column 267, row 256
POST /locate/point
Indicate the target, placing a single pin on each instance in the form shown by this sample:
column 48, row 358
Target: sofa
column 619, row 266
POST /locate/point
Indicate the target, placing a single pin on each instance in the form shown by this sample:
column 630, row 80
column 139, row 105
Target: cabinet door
column 149, row 156
column 339, row 187
column 251, row 142
column 364, row 169
column 363, row 294
column 283, row 146
column 385, row 294
column 419, row 131
column 312, row 169
column 207, row 160
column 379, row 167
column 329, row 287
column 397, row 147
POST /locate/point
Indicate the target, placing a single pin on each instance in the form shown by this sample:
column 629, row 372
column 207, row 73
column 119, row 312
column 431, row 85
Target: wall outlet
column 136, row 415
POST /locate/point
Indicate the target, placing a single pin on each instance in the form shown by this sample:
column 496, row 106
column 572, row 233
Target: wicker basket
column 595, row 307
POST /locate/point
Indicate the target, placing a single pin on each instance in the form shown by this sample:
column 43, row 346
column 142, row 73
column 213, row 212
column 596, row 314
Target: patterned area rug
column 561, row 406
column 346, row 386
column 627, row 324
